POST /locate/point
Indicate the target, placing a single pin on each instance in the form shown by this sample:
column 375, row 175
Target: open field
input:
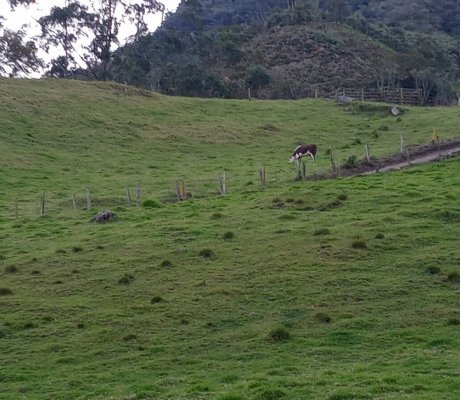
column 338, row 289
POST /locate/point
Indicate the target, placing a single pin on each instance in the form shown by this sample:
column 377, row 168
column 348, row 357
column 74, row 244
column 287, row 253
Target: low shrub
column 5, row 291
column 380, row 236
column 453, row 321
column 342, row 197
column 350, row 162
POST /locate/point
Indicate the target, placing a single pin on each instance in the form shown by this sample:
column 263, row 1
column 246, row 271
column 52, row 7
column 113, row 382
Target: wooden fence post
column 129, row 196
column 249, row 93
column 316, row 93
column 401, row 143
column 401, row 96
column 88, row 199
column 366, row 151
column 138, row 194
column 223, row 184
column 439, row 147
column 362, row 94
column 74, row 201
column 42, row 204
column 180, row 190
column 334, row 168
column 433, row 136
column 262, row 175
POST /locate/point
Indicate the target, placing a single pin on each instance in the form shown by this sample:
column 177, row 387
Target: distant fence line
column 389, row 95
column 183, row 189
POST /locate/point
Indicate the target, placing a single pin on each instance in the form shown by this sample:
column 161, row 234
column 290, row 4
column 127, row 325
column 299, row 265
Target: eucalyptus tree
column 18, row 55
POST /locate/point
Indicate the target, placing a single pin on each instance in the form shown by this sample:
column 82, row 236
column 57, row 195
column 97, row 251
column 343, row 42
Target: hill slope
column 194, row 299
column 288, row 49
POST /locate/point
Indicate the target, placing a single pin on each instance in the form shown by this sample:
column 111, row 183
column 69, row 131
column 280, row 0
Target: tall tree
column 17, row 54
column 104, row 25
column 62, row 28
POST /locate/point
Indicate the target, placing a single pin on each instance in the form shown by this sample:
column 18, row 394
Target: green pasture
column 339, row 289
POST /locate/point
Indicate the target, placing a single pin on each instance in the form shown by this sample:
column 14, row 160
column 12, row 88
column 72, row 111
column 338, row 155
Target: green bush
column 150, row 203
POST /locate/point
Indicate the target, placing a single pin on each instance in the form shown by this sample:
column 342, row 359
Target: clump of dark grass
column 217, row 216
column 80, row 325
column 279, row 334
column 29, row 325
column 2, row 257
column 77, row 249
column 36, row 272
column 290, row 200
column 11, row 269
column 288, row 217
column 342, row 197
column 126, row 279
column 60, row 251
column 321, row 232
column 323, row 317
column 206, row 253
column 453, row 321
column 75, row 271
column 156, row 299
column 151, row 203
column 329, row 206
column 5, row 291
column 129, row 338
column 166, row 264
column 272, row 394
column 433, row 270
column 380, row 236
column 58, row 282
column 228, row 235
column 299, row 201
column 453, row 277
column 359, row 244
column 277, row 200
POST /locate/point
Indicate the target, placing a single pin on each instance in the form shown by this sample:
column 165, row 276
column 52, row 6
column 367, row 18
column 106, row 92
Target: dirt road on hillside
column 414, row 155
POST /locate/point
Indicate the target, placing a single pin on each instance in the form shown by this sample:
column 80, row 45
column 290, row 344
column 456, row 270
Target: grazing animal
column 302, row 151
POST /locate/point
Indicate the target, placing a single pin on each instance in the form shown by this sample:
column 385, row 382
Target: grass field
column 339, row 289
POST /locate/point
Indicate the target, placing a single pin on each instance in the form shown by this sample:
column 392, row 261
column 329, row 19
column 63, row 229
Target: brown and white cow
column 302, row 151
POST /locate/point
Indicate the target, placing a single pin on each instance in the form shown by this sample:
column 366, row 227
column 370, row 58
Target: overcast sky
column 26, row 15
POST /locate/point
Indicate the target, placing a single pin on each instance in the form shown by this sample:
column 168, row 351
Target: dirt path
column 417, row 155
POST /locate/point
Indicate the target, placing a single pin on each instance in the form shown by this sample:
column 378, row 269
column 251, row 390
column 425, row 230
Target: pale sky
column 28, row 15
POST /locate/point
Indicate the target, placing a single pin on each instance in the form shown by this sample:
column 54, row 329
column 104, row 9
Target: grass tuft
column 453, row 321
column 272, row 394
column 323, row 317
column 379, row 236
column 129, row 338
column 77, row 249
column 11, row 269
column 126, row 279
column 5, row 291
column 206, row 253
column 166, row 264
column 228, row 235
column 359, row 244
column 433, row 270
column 342, row 197
column 156, row 299
column 217, row 216
column 279, row 334
column 151, row 203
column 321, row 232
column 453, row 277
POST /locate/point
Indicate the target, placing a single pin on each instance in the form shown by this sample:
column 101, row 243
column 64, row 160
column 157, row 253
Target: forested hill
column 289, row 48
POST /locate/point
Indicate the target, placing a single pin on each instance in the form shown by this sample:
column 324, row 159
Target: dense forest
column 273, row 48
column 288, row 48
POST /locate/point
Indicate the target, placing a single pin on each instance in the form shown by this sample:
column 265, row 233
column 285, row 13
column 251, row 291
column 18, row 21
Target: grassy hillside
column 195, row 300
